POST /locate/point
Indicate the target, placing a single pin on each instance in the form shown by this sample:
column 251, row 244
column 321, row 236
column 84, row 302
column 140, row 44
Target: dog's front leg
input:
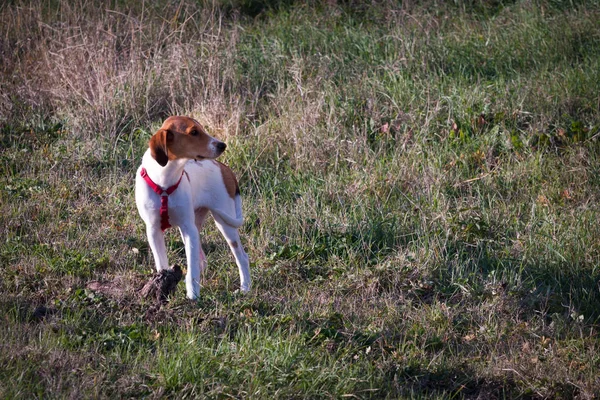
column 191, row 240
column 156, row 239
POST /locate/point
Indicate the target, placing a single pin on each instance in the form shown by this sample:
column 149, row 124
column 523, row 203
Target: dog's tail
column 229, row 220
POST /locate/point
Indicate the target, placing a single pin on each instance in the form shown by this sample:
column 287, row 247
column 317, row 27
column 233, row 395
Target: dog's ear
column 159, row 146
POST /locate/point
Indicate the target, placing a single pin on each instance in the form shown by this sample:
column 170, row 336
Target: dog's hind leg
column 232, row 236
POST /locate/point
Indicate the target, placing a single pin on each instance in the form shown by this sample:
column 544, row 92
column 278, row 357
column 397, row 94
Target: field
column 421, row 187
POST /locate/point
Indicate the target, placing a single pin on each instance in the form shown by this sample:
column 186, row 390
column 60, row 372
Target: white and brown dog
column 178, row 183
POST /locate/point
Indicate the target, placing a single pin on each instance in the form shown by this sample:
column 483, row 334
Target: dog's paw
column 192, row 293
column 241, row 291
column 192, row 296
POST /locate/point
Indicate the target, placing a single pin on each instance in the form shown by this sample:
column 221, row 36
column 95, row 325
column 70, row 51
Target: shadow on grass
column 370, row 239
column 566, row 290
column 550, row 288
column 463, row 383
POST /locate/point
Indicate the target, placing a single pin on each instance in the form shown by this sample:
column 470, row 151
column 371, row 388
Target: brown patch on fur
column 187, row 146
column 180, row 137
column 229, row 180
column 182, row 124
column 158, row 146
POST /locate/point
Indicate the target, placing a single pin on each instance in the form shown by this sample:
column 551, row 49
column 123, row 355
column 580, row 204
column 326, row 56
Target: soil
column 162, row 284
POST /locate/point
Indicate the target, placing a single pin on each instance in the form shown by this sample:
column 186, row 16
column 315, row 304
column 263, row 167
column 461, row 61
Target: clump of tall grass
column 109, row 70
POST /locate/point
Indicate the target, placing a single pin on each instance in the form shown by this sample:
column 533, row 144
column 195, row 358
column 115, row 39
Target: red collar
column 164, row 197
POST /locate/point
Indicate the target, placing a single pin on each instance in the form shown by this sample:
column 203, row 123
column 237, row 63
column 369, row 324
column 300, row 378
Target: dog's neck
column 166, row 176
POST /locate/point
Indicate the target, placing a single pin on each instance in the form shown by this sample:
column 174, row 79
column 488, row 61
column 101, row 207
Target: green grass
column 419, row 183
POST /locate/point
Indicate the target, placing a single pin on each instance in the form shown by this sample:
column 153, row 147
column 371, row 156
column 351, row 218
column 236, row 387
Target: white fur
column 204, row 189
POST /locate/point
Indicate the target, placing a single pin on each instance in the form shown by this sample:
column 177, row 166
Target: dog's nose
column 221, row 146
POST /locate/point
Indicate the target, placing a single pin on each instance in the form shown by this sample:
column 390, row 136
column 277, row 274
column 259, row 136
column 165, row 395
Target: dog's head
column 183, row 137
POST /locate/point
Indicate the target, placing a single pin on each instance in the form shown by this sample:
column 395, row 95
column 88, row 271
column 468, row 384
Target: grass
column 419, row 182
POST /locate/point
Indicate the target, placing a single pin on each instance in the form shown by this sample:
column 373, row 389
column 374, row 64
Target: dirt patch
column 120, row 288
column 123, row 288
column 109, row 289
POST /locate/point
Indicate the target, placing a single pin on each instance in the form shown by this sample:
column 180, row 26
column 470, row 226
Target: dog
column 177, row 184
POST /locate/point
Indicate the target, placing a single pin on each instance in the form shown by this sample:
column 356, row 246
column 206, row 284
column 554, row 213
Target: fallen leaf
column 543, row 200
column 469, row 337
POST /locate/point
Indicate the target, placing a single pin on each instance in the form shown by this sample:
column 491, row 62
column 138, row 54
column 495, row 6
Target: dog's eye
column 194, row 133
